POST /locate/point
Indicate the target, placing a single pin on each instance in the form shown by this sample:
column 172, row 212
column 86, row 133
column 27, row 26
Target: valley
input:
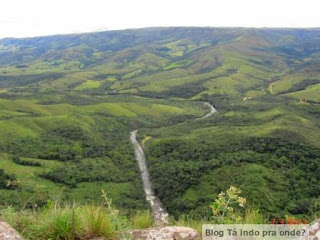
column 69, row 102
column 159, row 214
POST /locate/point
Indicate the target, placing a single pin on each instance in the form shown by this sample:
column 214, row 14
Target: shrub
column 223, row 208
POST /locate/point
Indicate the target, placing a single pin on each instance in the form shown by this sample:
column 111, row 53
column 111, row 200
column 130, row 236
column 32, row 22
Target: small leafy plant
column 224, row 207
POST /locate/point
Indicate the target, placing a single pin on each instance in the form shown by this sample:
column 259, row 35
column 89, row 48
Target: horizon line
column 157, row 27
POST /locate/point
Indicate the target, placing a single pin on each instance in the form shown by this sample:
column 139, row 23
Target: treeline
column 93, row 170
column 301, row 85
column 22, row 80
column 65, row 143
column 23, row 162
column 177, row 166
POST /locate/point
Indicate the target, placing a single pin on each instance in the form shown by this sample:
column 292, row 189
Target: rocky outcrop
column 8, row 233
column 167, row 233
column 159, row 214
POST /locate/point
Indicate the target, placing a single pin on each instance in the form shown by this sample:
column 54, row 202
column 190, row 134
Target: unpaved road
column 159, row 214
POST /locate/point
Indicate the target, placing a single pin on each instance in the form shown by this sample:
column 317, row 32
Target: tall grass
column 66, row 222
column 94, row 221
column 56, row 223
column 253, row 216
column 141, row 220
column 80, row 222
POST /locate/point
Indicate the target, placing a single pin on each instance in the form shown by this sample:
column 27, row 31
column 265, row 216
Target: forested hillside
column 69, row 102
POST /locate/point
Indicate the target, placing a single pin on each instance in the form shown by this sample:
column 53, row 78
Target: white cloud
column 22, row 18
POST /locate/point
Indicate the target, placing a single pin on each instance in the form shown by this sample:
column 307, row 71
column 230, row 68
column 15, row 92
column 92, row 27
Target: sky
column 29, row 18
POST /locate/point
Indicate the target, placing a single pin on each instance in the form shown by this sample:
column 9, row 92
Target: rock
column 165, row 233
column 8, row 233
column 314, row 230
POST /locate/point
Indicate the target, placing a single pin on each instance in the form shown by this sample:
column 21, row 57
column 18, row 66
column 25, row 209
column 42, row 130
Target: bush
column 223, row 208
column 19, row 161
column 227, row 209
column 8, row 181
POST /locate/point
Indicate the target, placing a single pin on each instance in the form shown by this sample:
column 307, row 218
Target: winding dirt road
column 160, row 215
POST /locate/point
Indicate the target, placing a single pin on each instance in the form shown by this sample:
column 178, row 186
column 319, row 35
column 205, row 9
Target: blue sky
column 27, row 18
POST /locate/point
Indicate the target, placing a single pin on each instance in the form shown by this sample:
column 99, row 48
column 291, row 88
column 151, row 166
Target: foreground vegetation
column 63, row 221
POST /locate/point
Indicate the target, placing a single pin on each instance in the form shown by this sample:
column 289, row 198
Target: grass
column 122, row 107
column 89, row 84
column 254, row 216
column 141, row 220
column 26, row 118
column 310, row 93
column 69, row 80
column 257, row 93
column 287, row 82
column 95, row 222
column 180, row 64
column 160, row 85
column 66, row 222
